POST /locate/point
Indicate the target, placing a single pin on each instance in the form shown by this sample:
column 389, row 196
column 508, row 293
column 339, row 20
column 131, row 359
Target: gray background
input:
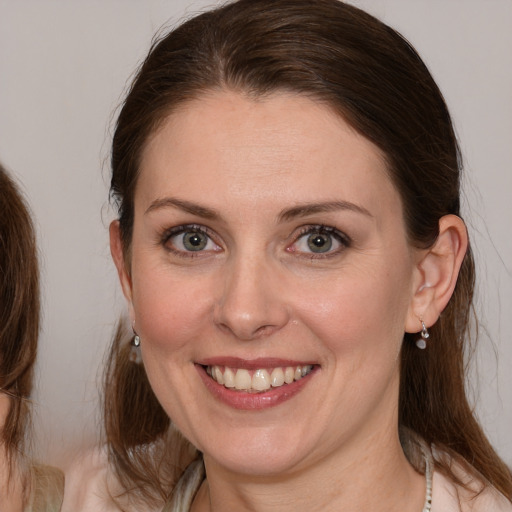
column 63, row 68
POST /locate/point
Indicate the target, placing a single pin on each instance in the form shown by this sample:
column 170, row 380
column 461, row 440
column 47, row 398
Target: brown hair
column 369, row 74
column 19, row 310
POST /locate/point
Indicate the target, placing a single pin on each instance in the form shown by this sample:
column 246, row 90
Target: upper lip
column 251, row 364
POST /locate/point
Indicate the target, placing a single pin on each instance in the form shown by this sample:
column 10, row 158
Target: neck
column 373, row 475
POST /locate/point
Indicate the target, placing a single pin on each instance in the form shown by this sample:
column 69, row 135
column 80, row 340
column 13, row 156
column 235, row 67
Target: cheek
column 170, row 312
column 172, row 319
column 358, row 311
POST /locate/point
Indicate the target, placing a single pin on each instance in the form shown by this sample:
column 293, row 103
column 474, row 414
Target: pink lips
column 251, row 401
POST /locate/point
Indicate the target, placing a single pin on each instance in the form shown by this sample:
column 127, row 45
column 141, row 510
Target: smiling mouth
column 257, row 381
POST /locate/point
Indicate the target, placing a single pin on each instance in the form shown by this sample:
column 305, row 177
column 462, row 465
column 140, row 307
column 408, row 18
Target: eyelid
column 167, row 234
column 341, row 237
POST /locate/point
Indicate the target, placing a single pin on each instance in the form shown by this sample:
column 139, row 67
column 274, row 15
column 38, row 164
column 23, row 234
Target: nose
column 252, row 302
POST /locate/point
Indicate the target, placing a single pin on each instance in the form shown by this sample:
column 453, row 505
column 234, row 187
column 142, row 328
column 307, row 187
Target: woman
column 289, row 233
column 22, row 486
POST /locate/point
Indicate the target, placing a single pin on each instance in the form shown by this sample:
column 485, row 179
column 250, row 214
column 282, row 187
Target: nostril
column 265, row 330
column 250, row 304
column 247, row 333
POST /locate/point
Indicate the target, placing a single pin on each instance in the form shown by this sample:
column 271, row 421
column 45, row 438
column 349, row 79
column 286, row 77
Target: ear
column 436, row 273
column 123, row 271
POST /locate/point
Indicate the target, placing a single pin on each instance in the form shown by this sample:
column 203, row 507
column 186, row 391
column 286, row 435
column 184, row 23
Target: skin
column 257, row 290
column 11, row 488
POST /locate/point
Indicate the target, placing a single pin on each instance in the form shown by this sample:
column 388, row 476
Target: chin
column 262, row 453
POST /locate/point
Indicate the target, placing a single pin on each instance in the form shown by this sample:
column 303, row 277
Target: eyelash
column 186, row 228
column 319, row 229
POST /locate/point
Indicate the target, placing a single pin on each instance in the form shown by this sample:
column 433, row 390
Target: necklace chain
column 428, row 477
column 187, row 487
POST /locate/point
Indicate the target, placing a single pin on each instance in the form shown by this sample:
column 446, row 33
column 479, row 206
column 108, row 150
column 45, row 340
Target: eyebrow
column 311, row 208
column 286, row 215
column 187, row 206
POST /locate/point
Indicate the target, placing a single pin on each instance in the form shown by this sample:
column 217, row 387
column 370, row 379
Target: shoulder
column 89, row 484
column 475, row 495
column 92, row 486
column 46, row 489
column 450, row 497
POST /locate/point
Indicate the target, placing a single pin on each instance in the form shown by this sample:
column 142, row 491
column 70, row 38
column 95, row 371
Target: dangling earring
column 135, row 355
column 425, row 335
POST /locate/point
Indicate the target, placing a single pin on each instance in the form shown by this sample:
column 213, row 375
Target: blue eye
column 320, row 240
column 186, row 239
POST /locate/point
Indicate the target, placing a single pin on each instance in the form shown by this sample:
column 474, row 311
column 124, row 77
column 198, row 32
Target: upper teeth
column 260, row 380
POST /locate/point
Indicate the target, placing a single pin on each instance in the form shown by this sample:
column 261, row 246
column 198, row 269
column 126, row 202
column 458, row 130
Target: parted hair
column 373, row 78
column 19, row 310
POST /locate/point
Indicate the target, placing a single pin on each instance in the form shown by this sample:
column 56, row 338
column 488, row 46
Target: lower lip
column 253, row 401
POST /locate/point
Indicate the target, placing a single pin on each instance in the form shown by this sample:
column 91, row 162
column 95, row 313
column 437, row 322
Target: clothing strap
column 186, row 488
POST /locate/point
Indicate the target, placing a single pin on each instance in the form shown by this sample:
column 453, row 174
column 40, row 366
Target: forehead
column 284, row 145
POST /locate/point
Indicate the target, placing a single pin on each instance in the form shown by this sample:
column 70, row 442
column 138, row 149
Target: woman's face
column 269, row 250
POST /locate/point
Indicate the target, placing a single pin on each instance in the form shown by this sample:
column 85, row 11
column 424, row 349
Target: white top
column 90, row 485
column 448, row 497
